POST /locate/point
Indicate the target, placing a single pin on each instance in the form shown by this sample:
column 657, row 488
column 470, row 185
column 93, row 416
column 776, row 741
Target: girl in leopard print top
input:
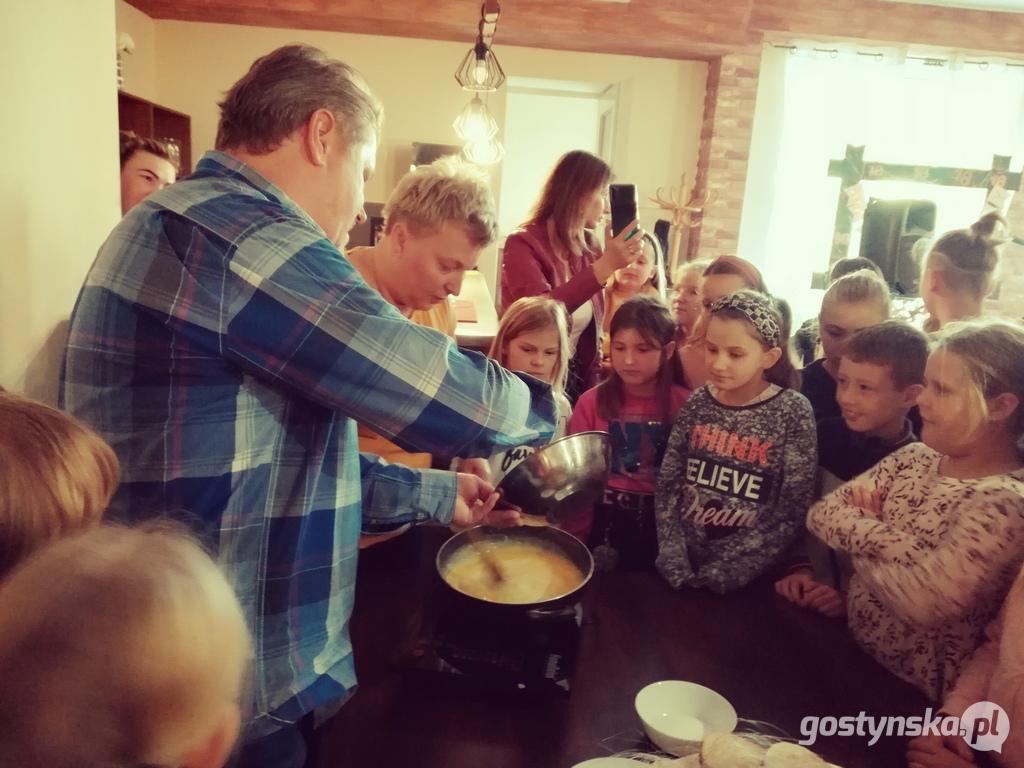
column 936, row 530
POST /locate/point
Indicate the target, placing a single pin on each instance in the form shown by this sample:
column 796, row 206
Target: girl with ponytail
column 959, row 271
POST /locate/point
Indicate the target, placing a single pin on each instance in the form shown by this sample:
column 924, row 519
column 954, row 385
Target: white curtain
column 811, row 106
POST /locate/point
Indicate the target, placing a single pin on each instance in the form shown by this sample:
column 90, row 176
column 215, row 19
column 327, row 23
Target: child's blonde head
column 56, row 476
column 864, row 286
column 992, row 353
column 968, row 258
column 850, row 264
column 119, row 646
column 529, row 314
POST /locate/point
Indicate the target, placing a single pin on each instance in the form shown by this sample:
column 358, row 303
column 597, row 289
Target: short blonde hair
column 118, row 646
column 529, row 314
column 862, row 286
column 56, row 476
column 992, row 351
column 447, row 191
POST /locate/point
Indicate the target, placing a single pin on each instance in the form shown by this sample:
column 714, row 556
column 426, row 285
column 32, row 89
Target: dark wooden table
column 774, row 662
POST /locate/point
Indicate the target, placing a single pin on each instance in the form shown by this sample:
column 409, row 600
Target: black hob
column 519, row 653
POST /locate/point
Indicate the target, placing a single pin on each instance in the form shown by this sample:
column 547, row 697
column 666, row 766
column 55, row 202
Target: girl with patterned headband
column 738, row 474
column 721, row 277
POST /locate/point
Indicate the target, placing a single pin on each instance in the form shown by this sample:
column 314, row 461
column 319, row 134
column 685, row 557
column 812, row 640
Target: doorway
column 544, row 119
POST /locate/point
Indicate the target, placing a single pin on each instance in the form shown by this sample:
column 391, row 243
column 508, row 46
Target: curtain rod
column 929, row 61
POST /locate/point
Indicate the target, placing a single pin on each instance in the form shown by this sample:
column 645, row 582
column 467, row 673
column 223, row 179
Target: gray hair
column 282, row 89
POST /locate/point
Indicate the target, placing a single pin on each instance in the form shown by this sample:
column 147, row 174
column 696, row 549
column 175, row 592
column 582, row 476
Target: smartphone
column 625, row 205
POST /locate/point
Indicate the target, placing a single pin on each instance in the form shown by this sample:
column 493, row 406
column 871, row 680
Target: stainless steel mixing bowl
column 562, row 479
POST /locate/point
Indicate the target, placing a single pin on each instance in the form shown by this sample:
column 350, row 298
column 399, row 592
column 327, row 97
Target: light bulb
column 480, row 71
column 474, row 122
column 487, row 152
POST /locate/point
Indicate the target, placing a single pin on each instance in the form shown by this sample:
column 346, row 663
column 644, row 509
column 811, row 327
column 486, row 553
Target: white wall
column 139, row 67
column 59, row 180
column 658, row 129
column 540, row 128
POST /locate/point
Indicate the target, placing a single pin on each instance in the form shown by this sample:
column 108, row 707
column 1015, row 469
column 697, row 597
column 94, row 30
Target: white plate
column 610, row 762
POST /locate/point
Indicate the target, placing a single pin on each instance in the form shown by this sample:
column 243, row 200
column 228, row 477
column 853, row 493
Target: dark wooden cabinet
column 156, row 122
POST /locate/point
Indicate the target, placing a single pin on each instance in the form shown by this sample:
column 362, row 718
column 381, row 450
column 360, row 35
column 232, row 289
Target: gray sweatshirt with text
column 734, row 489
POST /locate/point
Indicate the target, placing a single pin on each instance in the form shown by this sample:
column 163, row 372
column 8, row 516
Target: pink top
column 638, row 442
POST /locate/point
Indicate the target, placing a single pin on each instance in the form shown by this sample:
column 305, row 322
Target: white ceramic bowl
column 677, row 714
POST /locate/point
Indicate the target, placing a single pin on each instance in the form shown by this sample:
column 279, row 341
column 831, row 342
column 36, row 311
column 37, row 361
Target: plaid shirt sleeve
column 223, row 347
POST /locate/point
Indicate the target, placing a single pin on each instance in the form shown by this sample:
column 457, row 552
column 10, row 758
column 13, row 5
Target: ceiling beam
column 679, row 29
column 672, row 29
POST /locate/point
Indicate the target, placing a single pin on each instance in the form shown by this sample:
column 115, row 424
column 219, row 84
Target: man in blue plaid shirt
column 224, row 346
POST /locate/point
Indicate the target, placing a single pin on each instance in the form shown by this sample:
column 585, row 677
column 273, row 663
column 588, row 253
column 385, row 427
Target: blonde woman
column 436, row 223
column 684, row 298
column 120, row 647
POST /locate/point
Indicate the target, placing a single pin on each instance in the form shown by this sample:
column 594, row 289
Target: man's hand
column 939, row 752
column 478, row 467
column 475, row 505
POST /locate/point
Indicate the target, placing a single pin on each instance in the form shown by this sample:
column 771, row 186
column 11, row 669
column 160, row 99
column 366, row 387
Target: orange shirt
column 440, row 317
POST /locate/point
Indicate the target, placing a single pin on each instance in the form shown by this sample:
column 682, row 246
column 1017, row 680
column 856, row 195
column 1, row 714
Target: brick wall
column 725, row 150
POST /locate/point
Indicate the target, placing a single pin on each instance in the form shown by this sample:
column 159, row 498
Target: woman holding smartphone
column 556, row 253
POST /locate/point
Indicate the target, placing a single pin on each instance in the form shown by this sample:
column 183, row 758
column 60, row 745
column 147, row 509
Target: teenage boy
column 880, row 376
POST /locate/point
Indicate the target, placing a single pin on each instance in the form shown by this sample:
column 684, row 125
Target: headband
column 758, row 311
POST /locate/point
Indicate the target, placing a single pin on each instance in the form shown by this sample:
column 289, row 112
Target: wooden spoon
column 476, row 540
